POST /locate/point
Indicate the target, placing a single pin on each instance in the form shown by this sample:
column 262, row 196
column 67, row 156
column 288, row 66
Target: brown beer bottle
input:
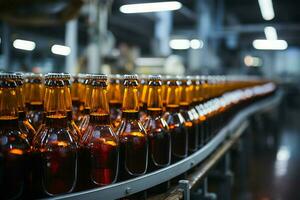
column 175, row 120
column 99, row 142
column 115, row 100
column 24, row 123
column 14, row 145
column 132, row 135
column 158, row 132
column 157, row 128
column 184, row 104
column 36, row 96
column 55, row 147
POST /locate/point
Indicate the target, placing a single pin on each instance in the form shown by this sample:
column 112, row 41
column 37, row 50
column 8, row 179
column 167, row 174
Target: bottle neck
column 99, row 105
column 8, row 103
column 21, row 98
column 87, row 97
column 115, row 95
column 130, row 100
column 172, row 102
column 144, row 96
column 154, row 101
column 185, row 96
column 36, row 94
column 75, row 91
column 55, row 105
column 68, row 98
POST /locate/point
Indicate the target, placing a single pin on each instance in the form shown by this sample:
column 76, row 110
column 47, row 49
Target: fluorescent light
column 150, row 7
column 270, row 33
column 179, row 44
column 196, row 44
column 266, row 9
column 24, row 44
column 270, row 44
column 61, row 50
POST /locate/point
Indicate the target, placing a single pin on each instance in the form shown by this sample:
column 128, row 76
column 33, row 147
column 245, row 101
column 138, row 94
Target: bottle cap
column 154, row 77
column 131, row 77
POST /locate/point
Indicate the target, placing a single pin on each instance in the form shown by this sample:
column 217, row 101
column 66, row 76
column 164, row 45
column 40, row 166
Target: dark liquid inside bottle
column 133, row 152
column 55, row 170
column 98, row 159
column 179, row 143
column 14, row 171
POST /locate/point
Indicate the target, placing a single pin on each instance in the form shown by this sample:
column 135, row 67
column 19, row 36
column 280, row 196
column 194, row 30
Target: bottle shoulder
column 131, row 127
column 53, row 137
column 13, row 138
column 156, row 123
column 99, row 133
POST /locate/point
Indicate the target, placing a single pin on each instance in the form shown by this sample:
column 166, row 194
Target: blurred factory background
column 203, row 36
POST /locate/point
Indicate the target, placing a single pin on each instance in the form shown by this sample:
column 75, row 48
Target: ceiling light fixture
column 179, row 44
column 270, row 44
column 60, row 50
column 150, row 7
column 266, row 9
column 24, row 45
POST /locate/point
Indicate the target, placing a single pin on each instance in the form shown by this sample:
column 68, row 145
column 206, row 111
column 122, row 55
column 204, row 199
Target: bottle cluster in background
column 61, row 133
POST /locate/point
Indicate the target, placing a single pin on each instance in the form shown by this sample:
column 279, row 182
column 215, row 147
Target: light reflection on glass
column 282, row 158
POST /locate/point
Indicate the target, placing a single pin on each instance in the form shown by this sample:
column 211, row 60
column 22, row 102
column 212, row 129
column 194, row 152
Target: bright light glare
column 179, row 44
column 270, row 44
column 61, row 50
column 150, row 7
column 282, row 158
column 266, row 9
column 270, row 33
column 24, row 45
column 196, row 44
column 283, row 154
column 251, row 61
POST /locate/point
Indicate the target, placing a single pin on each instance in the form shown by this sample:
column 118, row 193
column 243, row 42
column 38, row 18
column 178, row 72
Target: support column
column 72, row 42
column 163, row 28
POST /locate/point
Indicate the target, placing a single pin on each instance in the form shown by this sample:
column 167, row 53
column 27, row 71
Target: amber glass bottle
column 36, row 97
column 175, row 120
column 14, row 146
column 115, row 100
column 55, row 147
column 132, row 135
column 185, row 100
column 24, row 123
column 76, row 93
column 157, row 128
column 158, row 132
column 100, row 148
column 197, row 103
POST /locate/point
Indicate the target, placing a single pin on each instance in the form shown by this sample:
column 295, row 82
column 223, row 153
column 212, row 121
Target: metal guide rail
column 122, row 189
